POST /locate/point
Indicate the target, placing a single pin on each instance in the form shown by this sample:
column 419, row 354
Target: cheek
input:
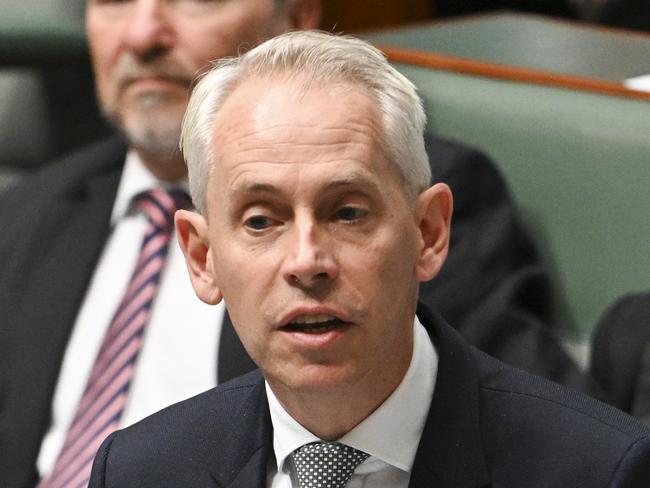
column 242, row 278
column 226, row 35
column 102, row 52
column 392, row 252
column 388, row 265
column 244, row 288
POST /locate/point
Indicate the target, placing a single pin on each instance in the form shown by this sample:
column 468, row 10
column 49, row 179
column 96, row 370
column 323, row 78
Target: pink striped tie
column 104, row 398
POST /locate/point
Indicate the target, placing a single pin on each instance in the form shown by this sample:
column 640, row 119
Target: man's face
column 311, row 239
column 146, row 52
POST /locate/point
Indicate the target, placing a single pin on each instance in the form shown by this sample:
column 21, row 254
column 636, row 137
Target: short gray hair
column 317, row 58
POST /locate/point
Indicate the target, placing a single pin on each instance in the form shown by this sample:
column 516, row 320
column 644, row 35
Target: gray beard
column 149, row 130
column 153, row 139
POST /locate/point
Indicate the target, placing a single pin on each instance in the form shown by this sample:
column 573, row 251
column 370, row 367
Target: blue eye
column 258, row 222
column 351, row 213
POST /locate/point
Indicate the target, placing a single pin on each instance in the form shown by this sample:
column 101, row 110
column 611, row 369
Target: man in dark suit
column 620, row 359
column 63, row 265
column 315, row 223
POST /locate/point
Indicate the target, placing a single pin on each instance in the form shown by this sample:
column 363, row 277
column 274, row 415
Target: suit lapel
column 252, row 474
column 249, row 447
column 450, row 454
column 61, row 253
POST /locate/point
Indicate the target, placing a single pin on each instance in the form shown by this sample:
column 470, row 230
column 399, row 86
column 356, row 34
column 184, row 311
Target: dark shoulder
column 446, row 155
column 512, row 389
column 187, row 443
column 222, row 405
column 59, row 175
column 540, row 430
column 47, row 192
column 216, row 414
column 466, row 169
column 619, row 340
column 627, row 320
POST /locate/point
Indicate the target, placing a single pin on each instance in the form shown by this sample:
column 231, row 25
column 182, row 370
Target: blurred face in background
column 146, row 52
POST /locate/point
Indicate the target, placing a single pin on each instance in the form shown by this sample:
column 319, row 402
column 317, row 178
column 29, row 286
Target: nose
column 149, row 28
column 310, row 263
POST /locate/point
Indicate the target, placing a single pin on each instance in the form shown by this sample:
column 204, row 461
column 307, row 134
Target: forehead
column 284, row 122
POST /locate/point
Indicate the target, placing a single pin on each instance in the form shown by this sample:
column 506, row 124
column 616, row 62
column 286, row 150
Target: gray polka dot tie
column 326, row 464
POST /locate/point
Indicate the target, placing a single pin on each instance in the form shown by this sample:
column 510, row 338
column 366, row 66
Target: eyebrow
column 353, row 179
column 254, row 187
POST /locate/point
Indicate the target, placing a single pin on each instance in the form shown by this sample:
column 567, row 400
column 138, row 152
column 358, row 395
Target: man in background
column 78, row 287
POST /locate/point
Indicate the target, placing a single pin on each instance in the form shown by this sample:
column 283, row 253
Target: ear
column 192, row 230
column 434, row 208
column 304, row 14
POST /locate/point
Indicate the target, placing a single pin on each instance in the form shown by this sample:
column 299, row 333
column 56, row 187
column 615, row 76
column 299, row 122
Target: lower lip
column 318, row 340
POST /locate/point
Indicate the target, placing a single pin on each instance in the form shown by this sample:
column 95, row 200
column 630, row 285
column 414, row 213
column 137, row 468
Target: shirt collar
column 381, row 434
column 136, row 178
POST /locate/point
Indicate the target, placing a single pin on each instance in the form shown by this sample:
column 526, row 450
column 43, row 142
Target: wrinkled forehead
column 333, row 130
column 286, row 111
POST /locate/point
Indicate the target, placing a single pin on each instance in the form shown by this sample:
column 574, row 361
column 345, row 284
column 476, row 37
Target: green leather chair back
column 47, row 104
column 577, row 162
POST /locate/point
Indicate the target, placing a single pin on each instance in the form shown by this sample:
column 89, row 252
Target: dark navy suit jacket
column 488, row 425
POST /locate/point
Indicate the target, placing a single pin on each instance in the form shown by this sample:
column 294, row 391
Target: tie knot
column 159, row 205
column 326, row 464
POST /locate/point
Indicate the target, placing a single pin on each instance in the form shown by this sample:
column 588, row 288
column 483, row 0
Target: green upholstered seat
column 36, row 32
column 530, row 41
column 577, row 162
column 47, row 104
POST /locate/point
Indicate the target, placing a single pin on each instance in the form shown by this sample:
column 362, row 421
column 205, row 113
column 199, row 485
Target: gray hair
column 316, row 58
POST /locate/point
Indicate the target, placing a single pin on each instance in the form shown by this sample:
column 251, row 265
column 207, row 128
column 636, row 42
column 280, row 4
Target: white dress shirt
column 390, row 435
column 178, row 358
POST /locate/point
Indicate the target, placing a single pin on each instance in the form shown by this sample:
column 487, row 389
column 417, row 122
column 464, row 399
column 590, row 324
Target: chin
column 318, row 378
column 152, row 133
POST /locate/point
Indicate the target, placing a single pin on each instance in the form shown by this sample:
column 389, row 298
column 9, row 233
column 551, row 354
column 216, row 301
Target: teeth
column 313, row 319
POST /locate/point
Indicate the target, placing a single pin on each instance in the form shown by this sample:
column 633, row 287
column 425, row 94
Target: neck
column 332, row 413
column 164, row 166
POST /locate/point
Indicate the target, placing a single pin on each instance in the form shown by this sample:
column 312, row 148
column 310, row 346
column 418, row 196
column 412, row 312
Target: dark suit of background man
column 68, row 240
column 317, row 222
column 620, row 359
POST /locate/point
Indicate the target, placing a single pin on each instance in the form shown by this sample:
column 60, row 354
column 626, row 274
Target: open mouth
column 314, row 324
